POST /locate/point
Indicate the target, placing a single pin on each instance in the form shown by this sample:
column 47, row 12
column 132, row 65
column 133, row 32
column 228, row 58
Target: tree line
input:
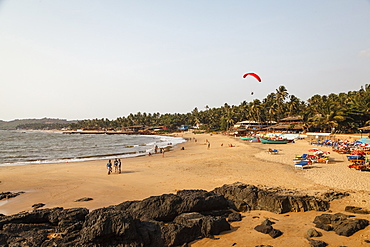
column 344, row 112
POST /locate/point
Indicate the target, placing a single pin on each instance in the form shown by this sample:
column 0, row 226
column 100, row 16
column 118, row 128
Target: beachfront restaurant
column 287, row 125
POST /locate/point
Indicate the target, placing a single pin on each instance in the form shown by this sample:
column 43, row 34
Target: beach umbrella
column 320, row 152
column 313, row 150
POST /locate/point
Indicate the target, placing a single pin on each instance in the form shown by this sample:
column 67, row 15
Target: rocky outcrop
column 166, row 207
column 165, row 220
column 340, row 223
column 244, row 197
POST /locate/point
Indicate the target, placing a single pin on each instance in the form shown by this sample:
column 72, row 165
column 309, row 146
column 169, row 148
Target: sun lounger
column 275, row 151
column 302, row 164
column 302, row 157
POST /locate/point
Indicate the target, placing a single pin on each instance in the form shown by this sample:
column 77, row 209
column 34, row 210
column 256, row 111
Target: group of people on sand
column 116, row 164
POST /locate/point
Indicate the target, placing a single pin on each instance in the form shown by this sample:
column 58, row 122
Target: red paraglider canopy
column 254, row 75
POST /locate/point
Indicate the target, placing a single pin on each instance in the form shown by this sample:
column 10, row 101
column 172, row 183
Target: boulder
column 274, row 233
column 263, row 228
column 317, row 243
column 340, row 223
column 312, row 232
column 349, row 226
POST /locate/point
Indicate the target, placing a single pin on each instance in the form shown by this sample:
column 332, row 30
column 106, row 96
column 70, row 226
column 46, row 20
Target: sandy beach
column 198, row 167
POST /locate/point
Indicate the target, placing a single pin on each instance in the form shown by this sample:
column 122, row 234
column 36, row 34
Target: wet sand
column 198, row 167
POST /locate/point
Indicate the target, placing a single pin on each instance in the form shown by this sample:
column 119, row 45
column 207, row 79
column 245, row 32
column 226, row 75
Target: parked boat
column 248, row 138
column 271, row 141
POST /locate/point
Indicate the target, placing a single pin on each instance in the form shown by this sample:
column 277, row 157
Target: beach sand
column 198, row 167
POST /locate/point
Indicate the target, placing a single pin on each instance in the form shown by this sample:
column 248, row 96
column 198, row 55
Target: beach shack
column 287, row 125
column 250, row 126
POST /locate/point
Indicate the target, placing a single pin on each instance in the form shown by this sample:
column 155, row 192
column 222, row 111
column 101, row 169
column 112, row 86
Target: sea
column 36, row 147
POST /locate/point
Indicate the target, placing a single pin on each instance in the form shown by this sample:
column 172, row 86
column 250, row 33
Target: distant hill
column 14, row 124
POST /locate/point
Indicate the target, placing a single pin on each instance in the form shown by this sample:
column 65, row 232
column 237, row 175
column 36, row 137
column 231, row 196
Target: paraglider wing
column 254, row 75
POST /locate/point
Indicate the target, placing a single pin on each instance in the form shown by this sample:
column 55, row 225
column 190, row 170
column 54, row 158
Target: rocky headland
column 170, row 219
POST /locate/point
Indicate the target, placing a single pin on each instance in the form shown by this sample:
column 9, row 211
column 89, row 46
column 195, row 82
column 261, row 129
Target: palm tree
column 281, row 95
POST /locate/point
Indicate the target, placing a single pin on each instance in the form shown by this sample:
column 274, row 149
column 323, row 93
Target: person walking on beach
column 119, row 165
column 109, row 167
column 208, row 145
column 115, row 163
column 162, row 152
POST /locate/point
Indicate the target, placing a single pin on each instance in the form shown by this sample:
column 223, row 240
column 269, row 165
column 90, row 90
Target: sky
column 87, row 59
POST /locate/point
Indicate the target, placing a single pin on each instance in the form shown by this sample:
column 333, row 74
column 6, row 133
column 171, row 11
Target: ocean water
column 34, row 147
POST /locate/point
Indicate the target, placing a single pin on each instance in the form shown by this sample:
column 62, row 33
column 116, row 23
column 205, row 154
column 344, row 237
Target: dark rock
column 166, row 220
column 340, row 223
column 234, row 217
column 317, row 243
column 249, row 197
column 267, row 222
column 166, row 207
column 268, row 229
column 25, row 234
column 175, row 234
column 8, row 195
column 312, row 232
column 349, row 226
column 214, row 226
column 38, row 205
column 113, row 227
column 220, row 212
column 323, row 226
column 333, row 195
column 159, row 208
column 84, row 199
column 263, row 228
column 274, row 233
column 200, row 200
column 356, row 210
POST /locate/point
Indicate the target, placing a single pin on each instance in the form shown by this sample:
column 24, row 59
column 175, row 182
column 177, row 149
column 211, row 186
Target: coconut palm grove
column 342, row 113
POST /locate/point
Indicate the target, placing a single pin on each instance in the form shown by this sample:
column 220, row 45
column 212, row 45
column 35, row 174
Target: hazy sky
column 78, row 59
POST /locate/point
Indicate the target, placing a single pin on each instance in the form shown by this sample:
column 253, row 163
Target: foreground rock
column 340, row 223
column 166, row 220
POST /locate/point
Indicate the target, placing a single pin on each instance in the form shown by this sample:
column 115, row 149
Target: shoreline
column 170, row 145
column 195, row 167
